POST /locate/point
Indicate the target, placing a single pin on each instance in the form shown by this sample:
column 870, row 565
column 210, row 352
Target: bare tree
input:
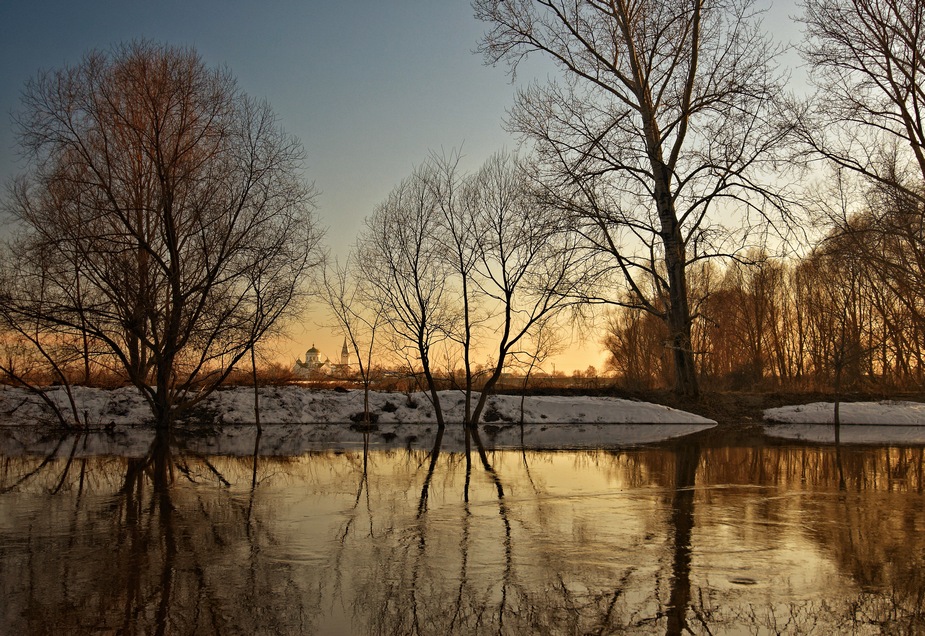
column 633, row 342
column 866, row 121
column 30, row 349
column 662, row 123
column 876, row 233
column 473, row 263
column 408, row 274
column 358, row 316
column 524, row 258
column 178, row 204
column 865, row 57
column 545, row 340
column 271, row 287
column 459, row 235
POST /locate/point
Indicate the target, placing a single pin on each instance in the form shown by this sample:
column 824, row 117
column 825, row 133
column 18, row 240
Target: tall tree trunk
column 257, row 391
column 678, row 316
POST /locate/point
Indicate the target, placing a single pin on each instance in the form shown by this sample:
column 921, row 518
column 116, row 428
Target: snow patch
column 298, row 420
column 298, row 405
column 886, row 422
column 885, row 413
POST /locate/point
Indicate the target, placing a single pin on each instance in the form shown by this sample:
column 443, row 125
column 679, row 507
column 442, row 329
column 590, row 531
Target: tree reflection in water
column 687, row 458
column 683, row 538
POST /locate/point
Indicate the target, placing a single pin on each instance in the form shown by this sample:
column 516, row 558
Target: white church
column 313, row 364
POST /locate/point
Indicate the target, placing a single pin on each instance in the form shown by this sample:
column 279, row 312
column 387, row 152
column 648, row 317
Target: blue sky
column 369, row 87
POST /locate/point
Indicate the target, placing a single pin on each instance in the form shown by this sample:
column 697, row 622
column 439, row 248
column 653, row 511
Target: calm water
column 688, row 537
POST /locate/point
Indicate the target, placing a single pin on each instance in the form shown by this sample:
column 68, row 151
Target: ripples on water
column 680, row 538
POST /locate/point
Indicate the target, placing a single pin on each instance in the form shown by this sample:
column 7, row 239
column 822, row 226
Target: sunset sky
column 369, row 87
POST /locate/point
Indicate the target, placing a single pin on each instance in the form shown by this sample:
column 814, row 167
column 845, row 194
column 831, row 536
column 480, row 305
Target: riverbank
column 99, row 408
column 311, row 418
column 745, row 409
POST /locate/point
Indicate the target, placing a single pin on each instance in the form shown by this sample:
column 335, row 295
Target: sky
column 369, row 87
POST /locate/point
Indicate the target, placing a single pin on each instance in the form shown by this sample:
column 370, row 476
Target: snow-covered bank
column 297, row 405
column 886, row 413
column 298, row 420
column 887, row 422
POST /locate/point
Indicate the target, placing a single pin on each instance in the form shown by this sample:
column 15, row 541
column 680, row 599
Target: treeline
column 837, row 318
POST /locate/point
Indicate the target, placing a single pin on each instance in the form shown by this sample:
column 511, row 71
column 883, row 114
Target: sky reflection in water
column 670, row 539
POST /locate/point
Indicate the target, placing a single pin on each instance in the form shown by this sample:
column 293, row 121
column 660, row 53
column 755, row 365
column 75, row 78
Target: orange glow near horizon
column 577, row 356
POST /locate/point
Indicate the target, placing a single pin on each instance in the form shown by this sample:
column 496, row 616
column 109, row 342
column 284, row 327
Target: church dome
column 313, row 357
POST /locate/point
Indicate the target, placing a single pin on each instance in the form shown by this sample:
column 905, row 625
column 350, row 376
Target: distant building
column 344, row 355
column 313, row 364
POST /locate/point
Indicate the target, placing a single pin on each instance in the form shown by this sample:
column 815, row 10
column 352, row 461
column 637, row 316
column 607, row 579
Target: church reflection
column 689, row 537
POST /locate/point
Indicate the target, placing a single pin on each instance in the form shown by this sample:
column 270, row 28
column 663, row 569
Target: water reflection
column 686, row 538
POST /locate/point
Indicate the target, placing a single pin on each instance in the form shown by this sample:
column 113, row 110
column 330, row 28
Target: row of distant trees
column 840, row 317
column 165, row 229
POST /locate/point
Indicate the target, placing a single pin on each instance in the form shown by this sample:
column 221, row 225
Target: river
column 696, row 535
